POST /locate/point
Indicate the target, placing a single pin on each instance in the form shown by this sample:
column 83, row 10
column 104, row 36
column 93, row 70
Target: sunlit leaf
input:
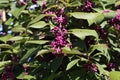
column 5, row 38
column 16, row 38
column 36, row 42
column 23, row 76
column 18, row 29
column 90, row 17
column 72, row 63
column 38, row 25
column 16, row 11
column 103, row 48
column 4, row 63
column 114, row 75
column 82, row 33
column 6, row 46
column 110, row 14
column 67, row 50
column 43, row 51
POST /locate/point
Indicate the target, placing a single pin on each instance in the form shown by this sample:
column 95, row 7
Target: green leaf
column 29, row 53
column 7, row 52
column 115, row 75
column 6, row 46
column 103, row 48
column 116, row 49
column 102, row 70
column 55, row 64
column 43, row 51
column 100, row 47
column 4, row 63
column 36, row 19
column 1, row 70
column 98, row 10
column 16, row 38
column 107, row 2
column 112, row 40
column 82, row 33
column 9, row 21
column 38, row 25
column 23, row 76
column 75, row 4
column 18, row 29
column 36, row 42
column 117, row 3
column 4, row 1
column 110, row 15
column 5, row 38
column 3, row 5
column 72, row 63
column 16, row 11
column 90, row 17
column 67, row 50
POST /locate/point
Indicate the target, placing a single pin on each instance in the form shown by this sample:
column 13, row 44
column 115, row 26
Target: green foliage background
column 28, row 45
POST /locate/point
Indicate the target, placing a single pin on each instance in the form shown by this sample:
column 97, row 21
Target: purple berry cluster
column 111, row 66
column 102, row 33
column 91, row 67
column 87, row 7
column 8, row 74
column 59, row 32
column 115, row 22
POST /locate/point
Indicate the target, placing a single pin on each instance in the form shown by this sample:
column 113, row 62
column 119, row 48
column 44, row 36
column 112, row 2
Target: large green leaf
column 115, row 75
column 16, row 38
column 16, row 11
column 18, row 29
column 4, row 63
column 103, row 48
column 102, row 70
column 82, row 33
column 38, row 25
column 29, row 53
column 6, row 46
column 110, row 14
column 36, row 42
column 5, row 38
column 90, row 17
column 67, row 50
column 72, row 63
